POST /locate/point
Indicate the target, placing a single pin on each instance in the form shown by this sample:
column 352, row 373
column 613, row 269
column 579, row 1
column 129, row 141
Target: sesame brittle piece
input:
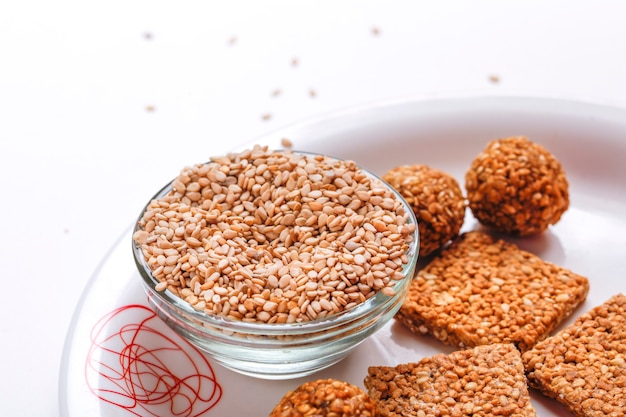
column 584, row 365
column 484, row 381
column 480, row 291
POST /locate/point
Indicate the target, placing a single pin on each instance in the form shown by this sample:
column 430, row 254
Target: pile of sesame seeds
column 275, row 236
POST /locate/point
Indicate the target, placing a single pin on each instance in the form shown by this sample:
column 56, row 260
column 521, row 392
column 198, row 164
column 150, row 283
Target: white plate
column 120, row 360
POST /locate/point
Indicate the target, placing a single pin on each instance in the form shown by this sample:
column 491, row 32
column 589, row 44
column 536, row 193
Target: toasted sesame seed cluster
column 436, row 199
column 484, row 381
column 325, row 398
column 517, row 187
column 584, row 365
column 479, row 291
column 276, row 236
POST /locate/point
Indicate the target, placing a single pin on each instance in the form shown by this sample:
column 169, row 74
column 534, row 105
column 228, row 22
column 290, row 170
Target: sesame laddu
column 584, row 365
column 483, row 381
column 479, row 291
column 325, row 398
column 436, row 199
column 517, row 186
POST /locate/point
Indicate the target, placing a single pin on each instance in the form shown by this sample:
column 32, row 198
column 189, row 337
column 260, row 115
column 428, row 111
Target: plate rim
column 599, row 106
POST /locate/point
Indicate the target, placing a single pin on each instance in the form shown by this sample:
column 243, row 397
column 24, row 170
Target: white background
column 101, row 103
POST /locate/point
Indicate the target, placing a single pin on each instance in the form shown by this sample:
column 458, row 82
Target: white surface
column 79, row 149
column 115, row 344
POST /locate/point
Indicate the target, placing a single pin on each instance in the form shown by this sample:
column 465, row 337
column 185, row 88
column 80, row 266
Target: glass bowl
column 285, row 350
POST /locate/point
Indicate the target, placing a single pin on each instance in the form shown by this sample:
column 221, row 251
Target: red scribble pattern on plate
column 134, row 364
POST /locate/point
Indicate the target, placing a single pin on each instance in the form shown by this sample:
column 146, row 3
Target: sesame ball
column 436, row 199
column 325, row 398
column 516, row 187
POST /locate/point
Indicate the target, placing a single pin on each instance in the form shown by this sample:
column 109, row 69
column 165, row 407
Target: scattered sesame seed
column 286, row 143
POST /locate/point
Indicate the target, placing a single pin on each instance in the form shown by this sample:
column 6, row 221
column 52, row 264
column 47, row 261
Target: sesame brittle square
column 480, row 291
column 483, row 381
column 584, row 365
